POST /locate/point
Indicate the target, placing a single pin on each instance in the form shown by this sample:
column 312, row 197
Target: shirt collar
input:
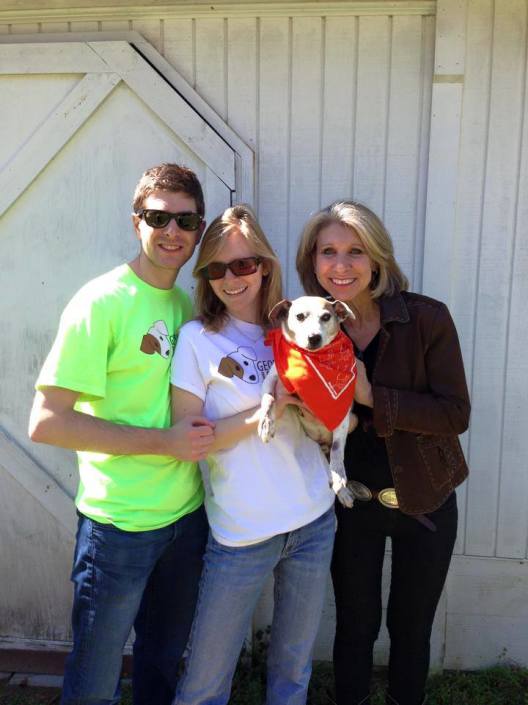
column 393, row 309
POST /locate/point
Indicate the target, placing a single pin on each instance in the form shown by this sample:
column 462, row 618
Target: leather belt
column 387, row 497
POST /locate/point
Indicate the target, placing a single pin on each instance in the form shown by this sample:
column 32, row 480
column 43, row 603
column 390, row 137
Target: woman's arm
column 229, row 431
column 444, row 409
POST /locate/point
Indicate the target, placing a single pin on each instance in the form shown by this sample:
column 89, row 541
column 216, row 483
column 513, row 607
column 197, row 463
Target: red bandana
column 324, row 379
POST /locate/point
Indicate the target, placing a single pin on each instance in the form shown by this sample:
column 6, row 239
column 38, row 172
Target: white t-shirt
column 258, row 490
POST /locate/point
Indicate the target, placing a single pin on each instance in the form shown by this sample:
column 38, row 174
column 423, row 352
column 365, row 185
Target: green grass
column 502, row 685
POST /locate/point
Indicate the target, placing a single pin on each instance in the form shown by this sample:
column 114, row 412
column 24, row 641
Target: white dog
column 314, row 359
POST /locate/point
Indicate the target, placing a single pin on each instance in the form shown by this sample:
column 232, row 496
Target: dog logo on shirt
column 241, row 363
column 157, row 340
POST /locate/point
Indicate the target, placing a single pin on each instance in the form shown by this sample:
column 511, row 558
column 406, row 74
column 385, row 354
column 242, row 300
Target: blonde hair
column 387, row 280
column 235, row 219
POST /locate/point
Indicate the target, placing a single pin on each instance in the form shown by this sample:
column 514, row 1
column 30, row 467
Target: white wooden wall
column 476, row 259
column 333, row 106
column 424, row 119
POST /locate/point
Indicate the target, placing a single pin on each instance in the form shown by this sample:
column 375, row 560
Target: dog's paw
column 266, row 428
column 345, row 496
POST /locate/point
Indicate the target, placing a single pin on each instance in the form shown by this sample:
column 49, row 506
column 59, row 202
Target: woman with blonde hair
column 269, row 506
column 404, row 458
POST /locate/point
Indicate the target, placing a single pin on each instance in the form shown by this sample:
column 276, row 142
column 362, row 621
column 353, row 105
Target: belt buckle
column 388, row 498
column 359, row 490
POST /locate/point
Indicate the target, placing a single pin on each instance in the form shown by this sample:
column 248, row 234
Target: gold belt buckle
column 387, row 497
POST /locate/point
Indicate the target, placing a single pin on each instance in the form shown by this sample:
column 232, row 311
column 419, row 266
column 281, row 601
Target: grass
column 502, row 685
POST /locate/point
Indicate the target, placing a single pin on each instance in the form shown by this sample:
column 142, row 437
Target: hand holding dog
column 283, row 399
column 191, row 438
column 363, row 392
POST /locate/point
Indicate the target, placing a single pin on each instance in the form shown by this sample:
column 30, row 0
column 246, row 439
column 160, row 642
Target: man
column 104, row 391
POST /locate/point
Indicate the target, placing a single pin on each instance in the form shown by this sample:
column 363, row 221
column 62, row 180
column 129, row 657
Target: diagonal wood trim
column 18, row 173
column 244, row 156
column 162, row 97
column 35, row 480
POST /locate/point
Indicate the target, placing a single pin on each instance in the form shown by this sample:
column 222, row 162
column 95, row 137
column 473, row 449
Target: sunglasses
column 239, row 267
column 160, row 219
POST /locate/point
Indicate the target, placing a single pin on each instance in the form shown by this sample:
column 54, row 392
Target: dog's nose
column 315, row 340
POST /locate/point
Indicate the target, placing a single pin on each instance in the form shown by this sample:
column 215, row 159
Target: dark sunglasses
column 160, row 219
column 240, row 268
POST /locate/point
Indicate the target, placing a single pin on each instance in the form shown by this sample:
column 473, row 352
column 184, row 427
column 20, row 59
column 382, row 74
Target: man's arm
column 54, row 421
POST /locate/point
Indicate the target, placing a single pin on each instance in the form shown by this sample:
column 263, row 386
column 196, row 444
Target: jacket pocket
column 442, row 457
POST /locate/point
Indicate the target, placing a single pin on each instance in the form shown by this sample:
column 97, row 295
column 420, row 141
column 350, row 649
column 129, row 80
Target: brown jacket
column 421, row 401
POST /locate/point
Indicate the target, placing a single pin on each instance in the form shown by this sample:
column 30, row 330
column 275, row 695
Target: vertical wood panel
column 339, row 108
column 24, row 28
column 512, row 525
column 178, row 47
column 242, row 86
column 372, row 109
column 210, row 63
column 427, row 54
column 444, row 148
column 450, row 36
column 50, row 27
column 115, row 25
column 499, row 206
column 306, row 129
column 273, row 131
column 403, row 141
column 84, row 26
column 470, row 193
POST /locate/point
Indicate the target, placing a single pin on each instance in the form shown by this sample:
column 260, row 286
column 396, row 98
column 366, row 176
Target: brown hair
column 235, row 219
column 374, row 237
column 169, row 177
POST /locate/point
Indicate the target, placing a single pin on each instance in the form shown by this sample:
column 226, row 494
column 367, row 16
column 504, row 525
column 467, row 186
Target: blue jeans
column 231, row 584
column 148, row 579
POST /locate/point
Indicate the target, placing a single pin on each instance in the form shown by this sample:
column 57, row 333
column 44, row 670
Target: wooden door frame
column 106, row 59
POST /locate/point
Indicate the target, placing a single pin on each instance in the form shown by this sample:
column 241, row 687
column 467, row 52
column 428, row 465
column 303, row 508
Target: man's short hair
column 169, row 177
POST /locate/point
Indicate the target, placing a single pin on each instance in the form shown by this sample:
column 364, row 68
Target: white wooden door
column 80, row 122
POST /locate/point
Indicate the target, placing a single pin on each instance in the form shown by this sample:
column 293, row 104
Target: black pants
column 420, row 560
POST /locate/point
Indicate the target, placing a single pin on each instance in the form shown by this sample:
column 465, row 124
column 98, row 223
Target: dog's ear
column 279, row 312
column 230, row 368
column 150, row 344
column 342, row 310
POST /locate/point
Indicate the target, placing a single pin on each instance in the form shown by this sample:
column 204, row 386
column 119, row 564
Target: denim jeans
column 420, row 561
column 231, row 583
column 148, row 579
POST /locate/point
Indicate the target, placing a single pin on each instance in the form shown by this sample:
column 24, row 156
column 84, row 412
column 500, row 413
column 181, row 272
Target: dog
column 314, row 359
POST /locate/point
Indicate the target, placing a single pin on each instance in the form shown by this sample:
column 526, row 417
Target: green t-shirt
column 114, row 346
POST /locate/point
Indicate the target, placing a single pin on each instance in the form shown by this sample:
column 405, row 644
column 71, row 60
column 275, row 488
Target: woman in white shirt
column 269, row 506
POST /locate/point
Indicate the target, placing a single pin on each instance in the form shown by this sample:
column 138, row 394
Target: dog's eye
column 326, row 317
column 300, row 316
